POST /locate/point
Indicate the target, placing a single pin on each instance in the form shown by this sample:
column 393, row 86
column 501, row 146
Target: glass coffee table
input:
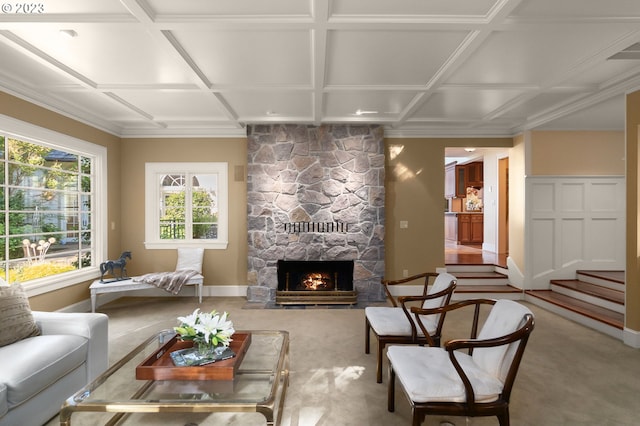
column 259, row 385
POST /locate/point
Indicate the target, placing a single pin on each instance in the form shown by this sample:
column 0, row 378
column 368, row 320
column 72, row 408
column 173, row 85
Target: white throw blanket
column 169, row 281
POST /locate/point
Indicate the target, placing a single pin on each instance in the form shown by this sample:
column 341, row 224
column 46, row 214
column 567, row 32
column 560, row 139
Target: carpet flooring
column 571, row 375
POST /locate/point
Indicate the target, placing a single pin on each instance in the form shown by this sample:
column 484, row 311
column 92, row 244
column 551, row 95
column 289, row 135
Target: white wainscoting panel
column 573, row 222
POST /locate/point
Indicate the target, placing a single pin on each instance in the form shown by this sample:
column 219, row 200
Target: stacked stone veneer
column 299, row 173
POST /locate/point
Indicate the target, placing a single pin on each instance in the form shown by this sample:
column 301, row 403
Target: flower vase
column 208, row 350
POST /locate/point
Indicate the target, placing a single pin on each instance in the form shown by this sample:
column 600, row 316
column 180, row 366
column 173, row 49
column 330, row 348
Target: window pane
column 86, row 184
column 172, row 209
column 85, row 165
column 46, row 211
column 26, row 153
column 204, row 211
column 85, row 221
column 205, row 231
column 172, row 230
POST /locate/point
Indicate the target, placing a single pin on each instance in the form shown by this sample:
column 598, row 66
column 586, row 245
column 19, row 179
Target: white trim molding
column 574, row 222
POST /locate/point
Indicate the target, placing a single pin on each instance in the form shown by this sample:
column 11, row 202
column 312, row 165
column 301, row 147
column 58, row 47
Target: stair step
column 481, row 278
column 589, row 310
column 453, row 268
column 498, row 288
column 594, row 290
column 615, row 276
column 486, row 275
column 610, row 279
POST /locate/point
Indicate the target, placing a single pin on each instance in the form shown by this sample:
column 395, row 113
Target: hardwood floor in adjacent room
column 455, row 254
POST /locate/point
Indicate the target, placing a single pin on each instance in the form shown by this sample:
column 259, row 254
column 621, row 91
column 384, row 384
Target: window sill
column 173, row 244
column 60, row 281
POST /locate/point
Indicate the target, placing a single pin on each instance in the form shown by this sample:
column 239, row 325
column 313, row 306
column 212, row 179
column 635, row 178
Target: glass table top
column 259, row 384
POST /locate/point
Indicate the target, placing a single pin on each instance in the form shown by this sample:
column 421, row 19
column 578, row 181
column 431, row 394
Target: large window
column 48, row 199
column 186, row 205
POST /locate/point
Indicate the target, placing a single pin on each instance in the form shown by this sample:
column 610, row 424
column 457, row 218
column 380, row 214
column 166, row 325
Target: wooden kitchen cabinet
column 464, row 228
column 466, row 175
column 461, row 181
column 476, row 233
column 475, row 174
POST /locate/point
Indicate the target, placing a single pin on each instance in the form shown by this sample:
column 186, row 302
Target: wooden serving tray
column 160, row 366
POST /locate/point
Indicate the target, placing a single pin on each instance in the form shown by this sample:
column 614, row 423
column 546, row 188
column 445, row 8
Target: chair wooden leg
column 416, row 419
column 379, row 364
column 391, row 393
column 367, row 338
column 503, row 417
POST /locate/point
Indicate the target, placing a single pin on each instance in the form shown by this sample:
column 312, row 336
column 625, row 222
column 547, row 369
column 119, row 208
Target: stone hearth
column 315, row 194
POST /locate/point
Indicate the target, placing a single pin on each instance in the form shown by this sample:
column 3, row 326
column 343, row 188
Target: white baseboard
column 631, row 338
column 225, row 290
column 187, row 291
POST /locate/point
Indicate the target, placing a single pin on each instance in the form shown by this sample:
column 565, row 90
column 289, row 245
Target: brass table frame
column 271, row 403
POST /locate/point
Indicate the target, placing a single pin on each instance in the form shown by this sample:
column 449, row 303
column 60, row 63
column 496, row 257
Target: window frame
column 27, row 132
column 153, row 196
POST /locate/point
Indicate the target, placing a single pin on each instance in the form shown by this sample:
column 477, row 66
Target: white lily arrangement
column 210, row 328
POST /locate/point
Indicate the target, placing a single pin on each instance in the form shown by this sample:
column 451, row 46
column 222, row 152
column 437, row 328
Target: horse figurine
column 111, row 265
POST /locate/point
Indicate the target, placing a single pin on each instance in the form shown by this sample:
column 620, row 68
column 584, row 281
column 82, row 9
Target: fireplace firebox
column 305, row 282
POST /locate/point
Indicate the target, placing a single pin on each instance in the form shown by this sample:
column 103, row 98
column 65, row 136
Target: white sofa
column 38, row 374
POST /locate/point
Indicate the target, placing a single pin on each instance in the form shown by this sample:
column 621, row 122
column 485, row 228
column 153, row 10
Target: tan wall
column 418, row 199
column 632, row 279
column 414, row 182
column 556, row 153
column 27, row 112
column 221, row 267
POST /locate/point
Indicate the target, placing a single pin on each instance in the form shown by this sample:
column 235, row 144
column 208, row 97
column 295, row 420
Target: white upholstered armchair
column 448, row 381
column 395, row 324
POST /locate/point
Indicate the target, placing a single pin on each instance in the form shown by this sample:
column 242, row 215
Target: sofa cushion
column 16, row 320
column 30, row 365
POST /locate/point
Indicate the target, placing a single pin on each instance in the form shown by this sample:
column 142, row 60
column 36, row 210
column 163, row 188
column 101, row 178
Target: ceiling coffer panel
column 419, row 68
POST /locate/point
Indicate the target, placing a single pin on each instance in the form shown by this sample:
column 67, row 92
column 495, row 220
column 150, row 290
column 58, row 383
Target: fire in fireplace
column 315, row 282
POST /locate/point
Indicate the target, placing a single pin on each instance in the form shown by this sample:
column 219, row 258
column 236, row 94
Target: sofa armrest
column 93, row 326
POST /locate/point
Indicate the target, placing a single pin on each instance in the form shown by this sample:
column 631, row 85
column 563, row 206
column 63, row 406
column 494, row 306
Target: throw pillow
column 16, row 319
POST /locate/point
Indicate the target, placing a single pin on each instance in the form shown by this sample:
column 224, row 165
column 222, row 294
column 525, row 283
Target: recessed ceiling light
column 69, row 33
column 469, row 149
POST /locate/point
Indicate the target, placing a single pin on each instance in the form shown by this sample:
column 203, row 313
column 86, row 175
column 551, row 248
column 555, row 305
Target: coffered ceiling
column 418, row 67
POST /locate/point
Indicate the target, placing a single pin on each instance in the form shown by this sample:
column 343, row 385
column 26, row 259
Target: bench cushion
column 26, row 369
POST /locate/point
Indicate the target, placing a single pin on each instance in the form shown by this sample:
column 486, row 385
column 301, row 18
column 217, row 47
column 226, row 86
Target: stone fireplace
column 315, row 194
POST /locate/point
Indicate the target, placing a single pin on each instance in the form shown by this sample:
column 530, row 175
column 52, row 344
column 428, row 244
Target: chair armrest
column 476, row 303
column 387, row 283
column 92, row 326
column 453, row 345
